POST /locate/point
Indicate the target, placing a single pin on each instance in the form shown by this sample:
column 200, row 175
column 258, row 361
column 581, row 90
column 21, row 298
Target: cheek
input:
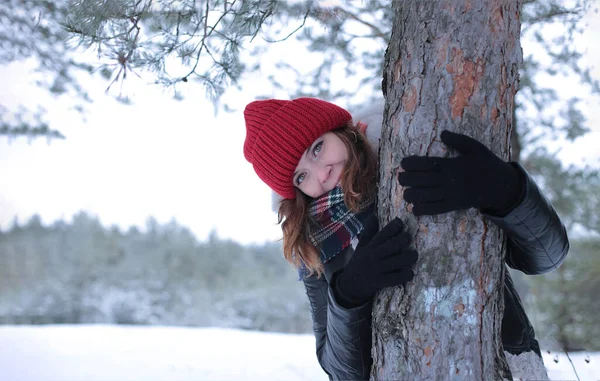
column 312, row 189
column 343, row 151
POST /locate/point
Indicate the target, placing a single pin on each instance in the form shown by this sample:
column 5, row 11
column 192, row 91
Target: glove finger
column 430, row 209
column 394, row 245
column 370, row 229
column 421, row 163
column 423, row 195
column 392, row 229
column 397, row 278
column 420, row 179
column 462, row 143
column 405, row 259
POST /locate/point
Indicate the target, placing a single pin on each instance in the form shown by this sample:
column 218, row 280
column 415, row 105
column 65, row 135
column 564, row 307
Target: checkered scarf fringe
column 333, row 225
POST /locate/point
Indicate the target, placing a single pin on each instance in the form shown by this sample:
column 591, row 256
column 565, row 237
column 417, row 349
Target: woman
column 324, row 169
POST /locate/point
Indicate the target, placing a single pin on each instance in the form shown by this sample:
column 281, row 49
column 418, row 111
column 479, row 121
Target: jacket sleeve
column 537, row 238
column 343, row 336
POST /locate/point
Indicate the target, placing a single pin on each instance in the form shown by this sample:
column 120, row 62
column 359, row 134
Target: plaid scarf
column 333, row 226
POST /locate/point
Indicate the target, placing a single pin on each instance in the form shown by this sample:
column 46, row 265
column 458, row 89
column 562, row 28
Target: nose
column 325, row 173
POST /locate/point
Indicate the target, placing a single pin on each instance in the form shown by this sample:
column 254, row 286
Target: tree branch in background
column 376, row 31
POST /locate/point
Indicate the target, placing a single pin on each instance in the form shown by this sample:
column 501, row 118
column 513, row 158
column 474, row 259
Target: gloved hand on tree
column 476, row 179
column 380, row 260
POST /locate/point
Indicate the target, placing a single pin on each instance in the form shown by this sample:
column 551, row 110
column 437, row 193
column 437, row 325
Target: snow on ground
column 128, row 353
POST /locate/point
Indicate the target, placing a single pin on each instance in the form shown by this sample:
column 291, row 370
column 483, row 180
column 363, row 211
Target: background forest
column 81, row 273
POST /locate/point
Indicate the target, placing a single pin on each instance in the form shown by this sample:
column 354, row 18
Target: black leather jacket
column 538, row 243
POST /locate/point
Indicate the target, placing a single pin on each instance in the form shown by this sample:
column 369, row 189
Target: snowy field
column 127, row 353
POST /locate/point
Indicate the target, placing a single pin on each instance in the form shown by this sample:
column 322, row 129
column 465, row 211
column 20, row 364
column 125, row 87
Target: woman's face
column 321, row 166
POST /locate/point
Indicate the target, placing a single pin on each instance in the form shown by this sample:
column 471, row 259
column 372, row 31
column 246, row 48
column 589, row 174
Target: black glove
column 380, row 260
column 476, row 179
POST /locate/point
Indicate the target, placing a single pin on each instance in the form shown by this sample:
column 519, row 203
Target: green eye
column 317, row 148
column 300, row 179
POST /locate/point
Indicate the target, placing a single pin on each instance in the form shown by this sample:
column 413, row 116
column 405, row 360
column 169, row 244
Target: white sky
column 158, row 157
column 167, row 159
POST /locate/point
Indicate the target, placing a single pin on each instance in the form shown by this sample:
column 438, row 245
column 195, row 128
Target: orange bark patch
column 428, row 352
column 462, row 227
column 468, row 6
column 496, row 18
column 494, row 114
column 466, row 75
column 409, row 99
column 423, row 229
column 459, row 308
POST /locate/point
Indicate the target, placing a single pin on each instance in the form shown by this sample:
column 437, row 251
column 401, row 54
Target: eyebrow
column 305, row 153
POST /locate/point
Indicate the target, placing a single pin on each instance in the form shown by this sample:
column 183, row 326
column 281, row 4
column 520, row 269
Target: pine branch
column 376, row 31
column 29, row 131
column 294, row 31
column 202, row 44
column 548, row 17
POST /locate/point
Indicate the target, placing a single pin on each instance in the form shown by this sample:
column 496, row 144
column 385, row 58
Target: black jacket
column 537, row 244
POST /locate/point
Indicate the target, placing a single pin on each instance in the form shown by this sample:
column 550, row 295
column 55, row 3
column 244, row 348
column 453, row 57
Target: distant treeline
column 83, row 272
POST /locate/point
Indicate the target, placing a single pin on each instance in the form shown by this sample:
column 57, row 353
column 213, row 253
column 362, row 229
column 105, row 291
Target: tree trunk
column 450, row 65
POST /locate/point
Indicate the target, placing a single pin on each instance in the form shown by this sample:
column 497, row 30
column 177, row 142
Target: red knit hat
column 279, row 131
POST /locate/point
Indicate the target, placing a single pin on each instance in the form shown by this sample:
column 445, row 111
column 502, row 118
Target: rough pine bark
column 450, row 65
